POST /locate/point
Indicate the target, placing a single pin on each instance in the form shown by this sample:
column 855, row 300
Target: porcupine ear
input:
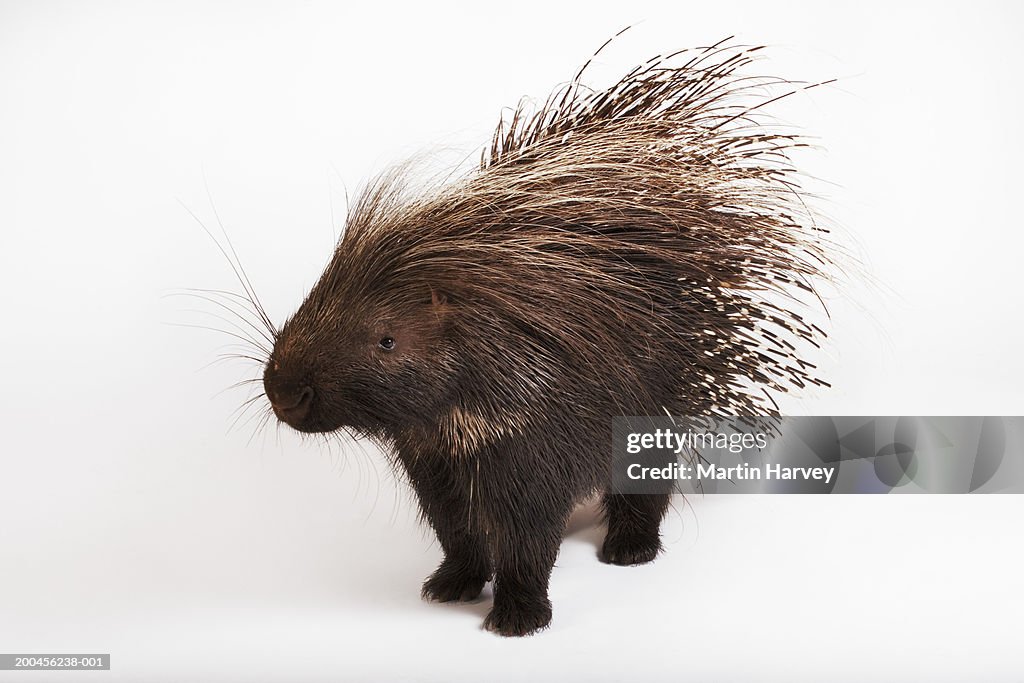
column 441, row 303
column 438, row 298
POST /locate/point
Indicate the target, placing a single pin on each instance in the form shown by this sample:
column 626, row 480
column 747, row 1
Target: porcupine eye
column 387, row 343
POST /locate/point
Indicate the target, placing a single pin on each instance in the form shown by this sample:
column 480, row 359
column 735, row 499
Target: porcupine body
column 617, row 252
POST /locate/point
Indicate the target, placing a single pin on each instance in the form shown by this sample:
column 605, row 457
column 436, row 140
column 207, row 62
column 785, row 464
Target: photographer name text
column 709, row 472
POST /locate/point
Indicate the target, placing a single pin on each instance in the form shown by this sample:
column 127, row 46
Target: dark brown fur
column 618, row 252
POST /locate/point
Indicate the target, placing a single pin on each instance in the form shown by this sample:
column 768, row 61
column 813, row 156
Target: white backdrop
column 134, row 522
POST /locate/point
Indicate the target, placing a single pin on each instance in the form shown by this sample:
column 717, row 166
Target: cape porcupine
column 617, row 252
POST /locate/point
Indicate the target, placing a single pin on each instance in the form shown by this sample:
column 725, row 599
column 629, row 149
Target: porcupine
column 625, row 251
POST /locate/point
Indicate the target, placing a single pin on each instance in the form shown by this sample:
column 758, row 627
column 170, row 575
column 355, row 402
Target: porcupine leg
column 633, row 523
column 526, row 510
column 525, row 549
column 445, row 504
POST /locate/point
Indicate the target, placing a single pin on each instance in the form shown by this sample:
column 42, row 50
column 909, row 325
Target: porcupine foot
column 626, row 549
column 454, row 581
column 633, row 523
column 515, row 618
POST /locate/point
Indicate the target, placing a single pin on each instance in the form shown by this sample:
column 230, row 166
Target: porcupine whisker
column 254, row 343
column 244, row 406
column 242, row 356
column 213, row 329
column 258, row 418
column 260, row 426
column 224, row 303
column 236, row 268
column 244, row 279
column 239, row 384
column 224, row 358
column 241, row 299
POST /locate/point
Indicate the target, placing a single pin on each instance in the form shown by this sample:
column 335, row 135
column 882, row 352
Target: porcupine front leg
column 444, row 499
column 633, row 527
column 527, row 512
column 523, row 558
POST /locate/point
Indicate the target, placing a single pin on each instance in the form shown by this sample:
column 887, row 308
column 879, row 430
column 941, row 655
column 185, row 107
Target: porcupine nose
column 291, row 405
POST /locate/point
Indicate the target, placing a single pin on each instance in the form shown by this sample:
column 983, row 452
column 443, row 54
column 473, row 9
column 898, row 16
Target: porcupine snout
column 290, row 400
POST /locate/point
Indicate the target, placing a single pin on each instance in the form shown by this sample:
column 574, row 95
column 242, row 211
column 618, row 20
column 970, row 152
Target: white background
column 132, row 521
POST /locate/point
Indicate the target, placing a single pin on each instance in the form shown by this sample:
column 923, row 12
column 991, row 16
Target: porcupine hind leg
column 444, row 501
column 633, row 527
